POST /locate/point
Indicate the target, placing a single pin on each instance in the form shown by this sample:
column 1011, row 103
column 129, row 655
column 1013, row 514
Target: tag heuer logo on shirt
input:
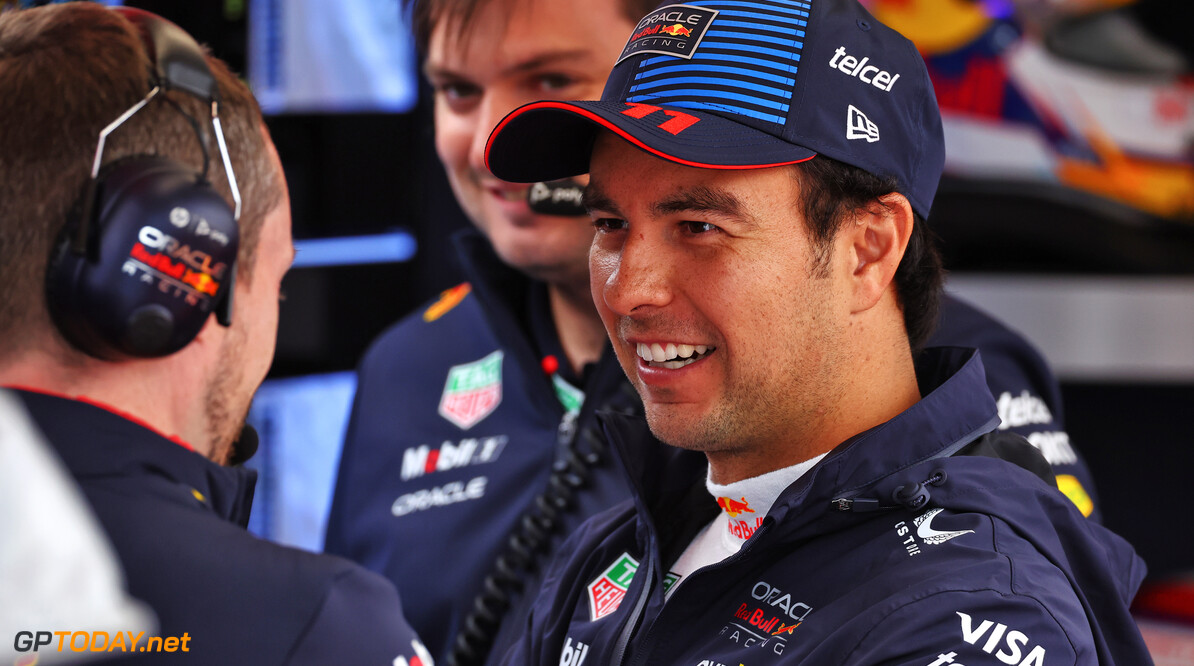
column 607, row 592
column 473, row 391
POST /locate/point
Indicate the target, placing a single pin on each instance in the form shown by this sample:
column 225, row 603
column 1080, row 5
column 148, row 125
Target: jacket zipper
column 628, row 629
column 632, row 621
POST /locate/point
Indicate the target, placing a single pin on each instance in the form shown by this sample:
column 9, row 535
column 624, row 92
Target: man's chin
column 531, row 259
column 674, row 432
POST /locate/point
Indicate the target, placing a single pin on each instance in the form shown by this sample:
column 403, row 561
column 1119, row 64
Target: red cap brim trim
column 622, row 133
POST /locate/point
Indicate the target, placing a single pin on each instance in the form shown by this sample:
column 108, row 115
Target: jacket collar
column 100, row 445
column 956, row 407
column 502, row 292
column 504, row 295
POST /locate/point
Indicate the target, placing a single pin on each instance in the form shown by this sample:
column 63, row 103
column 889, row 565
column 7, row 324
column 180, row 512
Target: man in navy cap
column 760, row 174
column 496, row 435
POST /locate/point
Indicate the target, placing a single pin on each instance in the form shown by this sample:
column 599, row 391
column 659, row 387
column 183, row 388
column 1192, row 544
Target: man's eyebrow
column 595, row 199
column 551, row 57
column 540, row 61
column 701, row 199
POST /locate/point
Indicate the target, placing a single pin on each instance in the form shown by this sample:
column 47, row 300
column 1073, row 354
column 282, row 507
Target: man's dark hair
column 426, row 14
column 66, row 71
column 831, row 193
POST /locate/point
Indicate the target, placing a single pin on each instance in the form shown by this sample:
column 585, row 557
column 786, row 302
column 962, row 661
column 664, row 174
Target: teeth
column 671, row 356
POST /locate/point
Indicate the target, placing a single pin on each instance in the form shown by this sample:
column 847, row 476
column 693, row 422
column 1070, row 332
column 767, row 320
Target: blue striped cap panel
column 745, row 64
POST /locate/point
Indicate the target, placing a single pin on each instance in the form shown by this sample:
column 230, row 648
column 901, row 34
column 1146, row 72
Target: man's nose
column 640, row 276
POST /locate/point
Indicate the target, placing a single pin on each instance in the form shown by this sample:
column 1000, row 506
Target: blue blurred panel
column 393, row 247
column 301, row 422
column 318, row 56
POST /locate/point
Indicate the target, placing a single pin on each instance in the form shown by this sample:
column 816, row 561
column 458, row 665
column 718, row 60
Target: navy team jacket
column 891, row 550
column 433, row 481
column 453, row 435
column 177, row 522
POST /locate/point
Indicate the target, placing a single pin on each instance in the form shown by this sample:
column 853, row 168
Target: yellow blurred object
column 1163, row 189
column 1072, row 488
column 936, row 26
column 448, row 299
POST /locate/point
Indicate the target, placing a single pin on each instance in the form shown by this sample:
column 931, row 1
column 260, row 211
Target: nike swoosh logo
column 924, row 529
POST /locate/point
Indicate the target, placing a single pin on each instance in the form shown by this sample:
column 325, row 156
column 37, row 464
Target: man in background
column 146, row 415
column 472, row 446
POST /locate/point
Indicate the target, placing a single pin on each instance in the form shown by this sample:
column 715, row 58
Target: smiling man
column 760, row 175
column 476, row 415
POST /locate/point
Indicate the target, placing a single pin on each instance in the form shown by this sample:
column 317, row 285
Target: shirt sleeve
column 360, row 622
column 981, row 627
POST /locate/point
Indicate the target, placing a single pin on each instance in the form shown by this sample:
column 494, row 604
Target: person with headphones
column 144, row 235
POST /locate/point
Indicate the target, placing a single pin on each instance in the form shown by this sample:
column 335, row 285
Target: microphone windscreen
column 245, row 445
column 560, row 197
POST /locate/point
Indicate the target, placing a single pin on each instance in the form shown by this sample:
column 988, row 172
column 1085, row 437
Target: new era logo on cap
column 858, row 126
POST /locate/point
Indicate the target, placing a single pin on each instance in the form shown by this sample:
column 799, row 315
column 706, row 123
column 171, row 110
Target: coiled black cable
column 569, row 474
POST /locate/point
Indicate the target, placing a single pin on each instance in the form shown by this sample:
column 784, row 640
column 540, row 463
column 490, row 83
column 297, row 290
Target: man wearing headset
column 463, row 407
column 147, row 419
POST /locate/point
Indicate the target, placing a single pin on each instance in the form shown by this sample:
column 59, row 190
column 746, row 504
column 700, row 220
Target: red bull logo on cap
column 676, row 30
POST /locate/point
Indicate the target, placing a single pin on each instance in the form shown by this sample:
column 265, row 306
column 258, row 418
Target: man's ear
column 879, row 236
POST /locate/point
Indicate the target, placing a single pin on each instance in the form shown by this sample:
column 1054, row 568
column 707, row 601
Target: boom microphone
column 245, row 445
column 560, row 197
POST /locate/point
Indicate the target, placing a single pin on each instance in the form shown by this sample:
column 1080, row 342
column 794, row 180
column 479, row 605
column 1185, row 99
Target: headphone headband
column 177, row 58
column 151, row 250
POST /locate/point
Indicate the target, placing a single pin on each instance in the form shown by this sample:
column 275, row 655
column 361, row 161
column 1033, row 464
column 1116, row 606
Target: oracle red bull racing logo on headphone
column 160, row 258
column 473, row 391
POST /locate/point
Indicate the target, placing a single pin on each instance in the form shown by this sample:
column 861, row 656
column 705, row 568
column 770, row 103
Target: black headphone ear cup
column 160, row 254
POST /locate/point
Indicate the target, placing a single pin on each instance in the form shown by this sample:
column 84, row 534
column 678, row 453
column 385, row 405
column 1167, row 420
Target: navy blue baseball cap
column 747, row 84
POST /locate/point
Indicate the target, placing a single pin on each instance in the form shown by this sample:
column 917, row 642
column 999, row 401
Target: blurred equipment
column 1066, row 101
column 313, row 56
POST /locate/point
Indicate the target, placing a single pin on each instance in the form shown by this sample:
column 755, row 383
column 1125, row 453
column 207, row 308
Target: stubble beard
column 764, row 416
column 225, row 409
